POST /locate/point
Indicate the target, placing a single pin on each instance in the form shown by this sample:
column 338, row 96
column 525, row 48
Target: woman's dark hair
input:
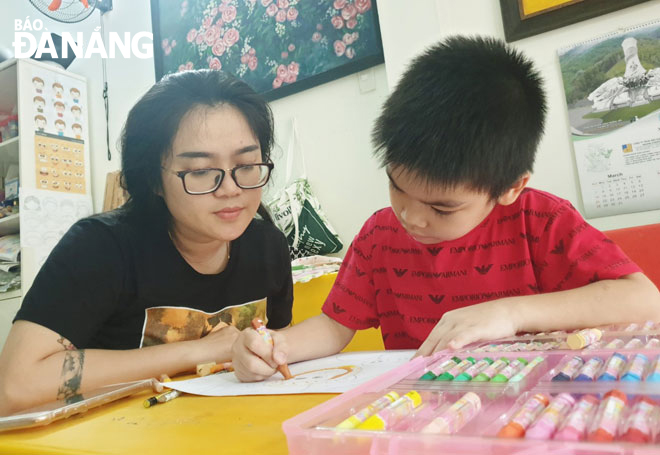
column 153, row 122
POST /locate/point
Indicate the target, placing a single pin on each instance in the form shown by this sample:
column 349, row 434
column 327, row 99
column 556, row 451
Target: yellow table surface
column 187, row 425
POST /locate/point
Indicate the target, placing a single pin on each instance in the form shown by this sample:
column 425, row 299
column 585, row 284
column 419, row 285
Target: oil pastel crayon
column 456, row 416
column 648, row 325
column 439, row 368
column 583, row 338
column 615, row 344
column 653, row 343
column 635, row 343
column 631, row 327
column 511, row 369
column 524, row 417
column 569, row 370
column 369, row 410
column 597, row 345
column 454, row 371
column 575, row 425
column 392, row 414
column 634, row 371
column 637, row 427
column 474, row 370
column 607, row 418
column 492, row 370
column 654, row 375
column 547, row 422
column 260, row 328
column 613, row 368
column 590, row 369
column 528, row 369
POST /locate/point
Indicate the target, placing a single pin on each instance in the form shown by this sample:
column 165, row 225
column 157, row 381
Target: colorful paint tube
column 524, row 417
column 590, row 369
column 606, row 421
column 635, row 369
column 635, row 343
column 583, row 338
column 450, row 374
column 614, row 367
column 366, row 412
column 456, row 416
column 548, row 421
column 569, row 370
column 575, row 425
column 654, row 376
column 511, row 369
column 638, row 426
column 474, row 370
column 616, row 343
column 525, row 371
column 439, row 368
column 492, row 370
column 392, row 414
column 653, row 343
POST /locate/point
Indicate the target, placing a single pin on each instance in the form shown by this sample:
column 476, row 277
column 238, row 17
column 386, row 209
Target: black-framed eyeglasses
column 208, row 180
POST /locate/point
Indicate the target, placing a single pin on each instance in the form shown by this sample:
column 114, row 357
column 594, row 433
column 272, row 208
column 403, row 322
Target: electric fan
column 67, row 11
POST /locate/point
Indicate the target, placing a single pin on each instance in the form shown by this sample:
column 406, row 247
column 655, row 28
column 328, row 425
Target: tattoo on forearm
column 72, row 369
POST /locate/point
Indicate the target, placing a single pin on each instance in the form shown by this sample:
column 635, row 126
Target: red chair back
column 642, row 245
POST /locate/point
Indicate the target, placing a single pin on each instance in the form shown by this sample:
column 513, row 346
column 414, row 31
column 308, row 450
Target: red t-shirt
column 538, row 244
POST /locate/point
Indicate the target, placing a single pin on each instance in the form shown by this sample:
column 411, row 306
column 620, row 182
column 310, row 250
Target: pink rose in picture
column 347, row 39
column 339, row 4
column 199, row 39
column 282, row 71
column 266, row 2
column 355, row 36
column 316, row 37
column 284, row 4
column 277, row 82
column 292, row 47
column 219, row 23
column 215, row 64
column 362, row 6
column 211, row 35
column 291, row 14
column 231, row 37
column 190, row 66
column 350, row 52
column 319, row 27
column 222, row 8
column 252, row 63
column 165, row 43
column 252, row 51
column 173, row 43
column 167, row 50
column 271, row 10
column 348, row 12
column 351, row 23
column 285, row 54
column 182, row 68
column 290, row 78
column 337, row 22
column 214, row 12
column 280, row 16
column 229, row 14
column 206, row 23
column 218, row 48
column 293, row 68
column 245, row 58
column 340, row 48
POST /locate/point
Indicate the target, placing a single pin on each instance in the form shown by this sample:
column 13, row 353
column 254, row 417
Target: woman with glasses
column 166, row 281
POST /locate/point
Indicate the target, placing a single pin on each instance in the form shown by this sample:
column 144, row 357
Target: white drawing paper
column 334, row 374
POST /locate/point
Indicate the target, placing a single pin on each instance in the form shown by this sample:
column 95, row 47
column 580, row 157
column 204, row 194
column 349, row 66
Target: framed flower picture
column 279, row 47
column 524, row 18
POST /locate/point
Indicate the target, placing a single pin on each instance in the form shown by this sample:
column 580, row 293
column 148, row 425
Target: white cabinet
column 52, row 154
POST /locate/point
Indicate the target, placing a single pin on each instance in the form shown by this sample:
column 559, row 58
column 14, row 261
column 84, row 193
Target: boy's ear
column 510, row 195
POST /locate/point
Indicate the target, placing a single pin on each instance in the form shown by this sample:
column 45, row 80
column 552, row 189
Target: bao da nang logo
column 27, row 43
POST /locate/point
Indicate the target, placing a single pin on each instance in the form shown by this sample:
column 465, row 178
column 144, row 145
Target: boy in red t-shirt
column 466, row 252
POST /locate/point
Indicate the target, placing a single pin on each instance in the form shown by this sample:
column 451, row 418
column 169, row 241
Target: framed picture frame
column 279, row 47
column 524, row 18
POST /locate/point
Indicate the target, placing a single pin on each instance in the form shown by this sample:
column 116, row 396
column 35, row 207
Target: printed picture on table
column 279, row 47
column 170, row 324
column 59, row 163
column 57, row 102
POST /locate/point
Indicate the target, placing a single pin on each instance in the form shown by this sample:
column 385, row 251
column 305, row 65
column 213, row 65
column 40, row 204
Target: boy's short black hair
column 469, row 111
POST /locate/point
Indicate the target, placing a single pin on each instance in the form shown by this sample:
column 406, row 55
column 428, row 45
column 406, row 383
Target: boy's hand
column 457, row 328
column 254, row 359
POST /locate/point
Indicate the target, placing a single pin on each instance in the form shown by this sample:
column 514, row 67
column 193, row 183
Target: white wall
column 555, row 169
column 335, row 119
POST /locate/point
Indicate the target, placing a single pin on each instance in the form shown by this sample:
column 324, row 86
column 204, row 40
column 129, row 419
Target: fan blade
column 55, row 5
column 85, row 3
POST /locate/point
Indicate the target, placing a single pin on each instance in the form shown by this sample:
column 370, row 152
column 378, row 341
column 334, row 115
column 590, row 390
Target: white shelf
column 10, row 224
column 10, row 295
column 9, row 150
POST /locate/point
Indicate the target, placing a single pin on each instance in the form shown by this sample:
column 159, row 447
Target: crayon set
column 603, row 398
